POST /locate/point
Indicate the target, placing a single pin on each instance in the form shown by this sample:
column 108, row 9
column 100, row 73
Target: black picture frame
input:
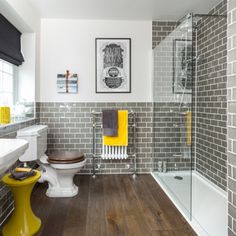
column 113, row 65
column 182, row 66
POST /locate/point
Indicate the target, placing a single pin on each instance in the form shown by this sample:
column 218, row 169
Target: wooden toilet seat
column 67, row 157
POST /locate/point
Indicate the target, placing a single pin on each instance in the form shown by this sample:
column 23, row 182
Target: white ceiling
column 121, row 9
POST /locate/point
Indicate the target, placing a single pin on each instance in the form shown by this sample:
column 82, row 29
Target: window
column 16, row 81
column 7, row 83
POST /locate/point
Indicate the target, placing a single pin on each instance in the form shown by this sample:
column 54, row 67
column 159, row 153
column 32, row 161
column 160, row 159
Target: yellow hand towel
column 189, row 127
column 122, row 138
column 5, row 115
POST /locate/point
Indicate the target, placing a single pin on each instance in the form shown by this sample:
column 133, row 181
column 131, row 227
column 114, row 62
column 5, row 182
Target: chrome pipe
column 99, row 112
column 134, row 145
column 99, row 124
column 94, row 154
column 209, row 15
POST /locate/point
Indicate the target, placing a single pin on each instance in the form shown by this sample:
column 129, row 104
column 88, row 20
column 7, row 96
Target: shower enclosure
column 183, row 94
column 173, row 73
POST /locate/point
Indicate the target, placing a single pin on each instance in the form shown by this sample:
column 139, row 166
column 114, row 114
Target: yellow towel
column 122, row 138
column 189, row 127
column 5, row 115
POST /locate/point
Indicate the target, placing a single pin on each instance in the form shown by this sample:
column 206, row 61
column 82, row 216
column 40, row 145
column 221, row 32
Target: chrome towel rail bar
column 132, row 124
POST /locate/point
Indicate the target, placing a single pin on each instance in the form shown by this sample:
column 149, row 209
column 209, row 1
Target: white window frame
column 15, row 81
column 15, row 84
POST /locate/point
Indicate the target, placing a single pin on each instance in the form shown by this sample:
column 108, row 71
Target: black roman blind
column 10, row 43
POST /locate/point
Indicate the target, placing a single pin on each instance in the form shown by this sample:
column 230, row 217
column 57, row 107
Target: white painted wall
column 70, row 44
column 21, row 15
column 26, row 72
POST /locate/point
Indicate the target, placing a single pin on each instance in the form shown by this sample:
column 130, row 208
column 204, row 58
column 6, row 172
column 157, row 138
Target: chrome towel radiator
column 114, row 152
column 98, row 124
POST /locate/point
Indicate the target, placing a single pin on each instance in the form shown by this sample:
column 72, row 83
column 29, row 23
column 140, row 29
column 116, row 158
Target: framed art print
column 67, row 83
column 182, row 66
column 113, row 65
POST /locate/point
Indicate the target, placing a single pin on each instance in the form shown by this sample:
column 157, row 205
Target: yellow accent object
column 23, row 222
column 122, row 138
column 23, row 169
column 189, row 127
column 5, row 117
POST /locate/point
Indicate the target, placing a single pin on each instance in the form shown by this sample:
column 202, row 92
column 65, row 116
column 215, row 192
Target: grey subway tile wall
column 161, row 29
column 210, row 101
column 211, row 96
column 70, row 128
column 231, row 85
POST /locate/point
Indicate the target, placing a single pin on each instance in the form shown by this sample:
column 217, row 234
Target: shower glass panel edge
column 172, row 97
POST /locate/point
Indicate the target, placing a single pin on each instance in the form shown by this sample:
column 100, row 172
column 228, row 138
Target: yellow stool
column 23, row 222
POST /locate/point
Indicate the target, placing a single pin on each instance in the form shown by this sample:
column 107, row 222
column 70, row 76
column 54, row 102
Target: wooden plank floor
column 110, row 205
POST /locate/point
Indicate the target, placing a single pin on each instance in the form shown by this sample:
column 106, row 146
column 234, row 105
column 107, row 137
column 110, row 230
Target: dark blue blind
column 10, row 43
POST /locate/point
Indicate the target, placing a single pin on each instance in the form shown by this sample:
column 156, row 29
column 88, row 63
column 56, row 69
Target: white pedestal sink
column 10, row 151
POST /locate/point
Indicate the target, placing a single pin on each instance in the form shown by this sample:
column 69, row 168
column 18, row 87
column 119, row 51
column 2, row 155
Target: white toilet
column 56, row 170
